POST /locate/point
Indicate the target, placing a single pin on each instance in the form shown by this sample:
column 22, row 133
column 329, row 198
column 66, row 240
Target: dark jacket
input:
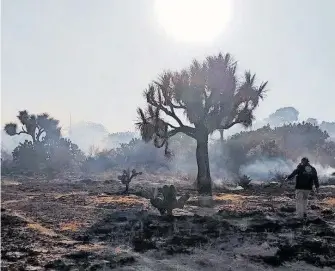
column 306, row 176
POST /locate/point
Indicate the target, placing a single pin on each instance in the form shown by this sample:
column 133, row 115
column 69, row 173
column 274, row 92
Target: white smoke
column 265, row 169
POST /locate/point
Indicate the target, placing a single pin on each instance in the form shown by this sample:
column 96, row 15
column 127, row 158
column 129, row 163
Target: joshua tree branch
column 231, row 124
column 173, row 114
column 180, row 106
column 40, row 131
column 236, row 120
column 227, row 126
column 184, row 129
column 134, row 175
column 170, row 112
column 233, row 119
column 24, row 131
column 21, row 132
column 172, row 126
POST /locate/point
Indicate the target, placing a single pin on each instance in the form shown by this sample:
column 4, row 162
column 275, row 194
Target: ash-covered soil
column 88, row 225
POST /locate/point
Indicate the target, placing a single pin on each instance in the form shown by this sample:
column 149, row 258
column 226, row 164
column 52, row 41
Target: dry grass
column 70, row 226
column 64, row 195
column 9, row 182
column 41, row 229
column 329, row 201
column 124, row 201
column 91, row 247
column 36, row 226
column 233, row 198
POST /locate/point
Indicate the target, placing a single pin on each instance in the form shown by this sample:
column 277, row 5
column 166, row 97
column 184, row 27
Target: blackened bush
column 7, row 165
column 139, row 154
column 244, row 181
column 102, row 161
column 236, row 155
column 288, row 142
column 61, row 155
column 28, row 157
column 48, row 156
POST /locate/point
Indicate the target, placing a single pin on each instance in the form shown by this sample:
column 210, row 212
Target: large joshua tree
column 210, row 95
column 39, row 127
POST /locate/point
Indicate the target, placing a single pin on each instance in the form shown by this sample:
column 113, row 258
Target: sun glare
column 193, row 20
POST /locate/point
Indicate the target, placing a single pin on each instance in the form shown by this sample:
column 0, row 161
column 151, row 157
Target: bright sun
column 193, row 20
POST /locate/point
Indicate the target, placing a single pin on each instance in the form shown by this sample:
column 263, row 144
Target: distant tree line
column 52, row 154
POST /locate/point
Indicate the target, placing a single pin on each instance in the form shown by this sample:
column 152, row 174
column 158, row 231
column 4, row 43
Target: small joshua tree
column 126, row 178
column 169, row 201
column 244, row 181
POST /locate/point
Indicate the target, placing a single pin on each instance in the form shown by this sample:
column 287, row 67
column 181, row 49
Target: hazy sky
column 93, row 59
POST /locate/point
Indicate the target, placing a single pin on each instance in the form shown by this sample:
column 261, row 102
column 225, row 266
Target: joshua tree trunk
column 204, row 181
column 221, row 135
column 127, row 189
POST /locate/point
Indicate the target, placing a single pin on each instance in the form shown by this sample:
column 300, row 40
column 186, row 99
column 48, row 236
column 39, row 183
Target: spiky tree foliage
column 211, row 97
column 39, row 127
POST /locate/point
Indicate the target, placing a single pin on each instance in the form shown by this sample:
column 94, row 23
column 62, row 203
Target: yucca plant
column 126, row 178
column 169, row 201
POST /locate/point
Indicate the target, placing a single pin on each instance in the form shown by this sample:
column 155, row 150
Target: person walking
column 306, row 175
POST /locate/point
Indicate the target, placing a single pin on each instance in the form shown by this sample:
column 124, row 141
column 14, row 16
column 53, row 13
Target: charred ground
column 94, row 227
